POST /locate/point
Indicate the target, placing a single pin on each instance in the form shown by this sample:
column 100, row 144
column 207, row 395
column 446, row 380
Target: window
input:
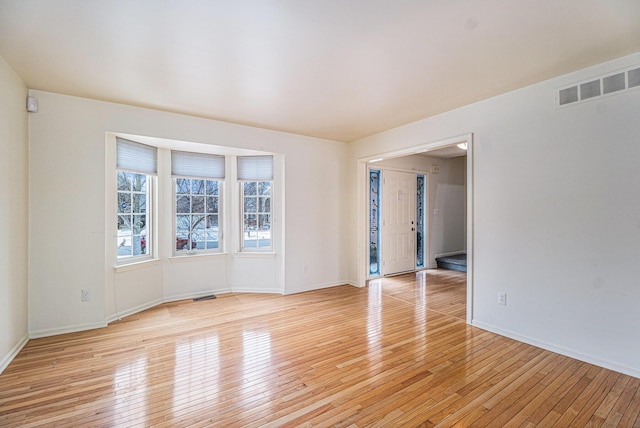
column 198, row 197
column 136, row 168
column 133, row 191
column 255, row 174
column 256, row 214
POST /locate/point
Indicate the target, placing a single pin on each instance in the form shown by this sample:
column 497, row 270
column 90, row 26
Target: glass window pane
column 139, row 203
column 212, row 187
column 250, row 222
column 265, row 205
column 250, row 188
column 183, row 204
column 124, row 202
column 264, row 188
column 198, row 222
column 197, row 241
column 212, row 222
column 197, row 204
column 264, row 222
column 138, row 182
column 183, row 223
column 250, row 205
column 212, row 204
column 182, row 242
column 139, row 245
column 197, row 187
column 182, row 185
column 139, row 224
column 124, row 246
column 124, row 180
column 124, row 223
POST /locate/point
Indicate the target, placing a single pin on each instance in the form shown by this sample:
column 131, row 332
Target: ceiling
column 335, row 69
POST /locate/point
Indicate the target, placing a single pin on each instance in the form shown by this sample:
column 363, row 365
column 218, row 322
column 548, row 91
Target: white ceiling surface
column 336, row 69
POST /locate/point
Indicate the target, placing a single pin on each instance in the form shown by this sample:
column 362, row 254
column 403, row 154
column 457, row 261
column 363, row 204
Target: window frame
column 221, row 202
column 257, row 248
column 150, row 241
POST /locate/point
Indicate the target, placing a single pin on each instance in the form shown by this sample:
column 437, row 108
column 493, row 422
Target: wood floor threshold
column 396, row 353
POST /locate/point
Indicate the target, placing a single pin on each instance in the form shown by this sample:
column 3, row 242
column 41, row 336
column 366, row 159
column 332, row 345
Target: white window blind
column 136, row 157
column 255, row 168
column 200, row 165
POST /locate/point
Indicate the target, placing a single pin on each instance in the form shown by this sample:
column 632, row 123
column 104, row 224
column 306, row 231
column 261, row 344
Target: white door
column 398, row 222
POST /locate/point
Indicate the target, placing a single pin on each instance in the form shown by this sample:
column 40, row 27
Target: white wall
column 556, row 214
column 446, row 193
column 69, row 246
column 13, row 214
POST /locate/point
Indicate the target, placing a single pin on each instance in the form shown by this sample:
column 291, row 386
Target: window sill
column 256, row 254
column 136, row 265
column 180, row 258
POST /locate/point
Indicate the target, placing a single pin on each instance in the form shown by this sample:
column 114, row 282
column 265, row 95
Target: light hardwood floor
column 397, row 353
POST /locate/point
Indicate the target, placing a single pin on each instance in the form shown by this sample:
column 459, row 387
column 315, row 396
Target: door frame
column 362, row 217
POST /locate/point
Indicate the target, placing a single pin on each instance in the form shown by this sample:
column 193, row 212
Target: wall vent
column 604, row 85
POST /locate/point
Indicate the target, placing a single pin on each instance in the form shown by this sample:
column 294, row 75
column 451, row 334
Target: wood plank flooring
column 397, row 353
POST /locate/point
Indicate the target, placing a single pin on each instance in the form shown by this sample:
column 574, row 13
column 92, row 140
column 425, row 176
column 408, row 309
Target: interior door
column 398, row 222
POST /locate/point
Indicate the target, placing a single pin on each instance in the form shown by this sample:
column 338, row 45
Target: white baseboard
column 134, row 310
column 187, row 296
column 319, row 287
column 635, row 372
column 6, row 360
column 35, row 334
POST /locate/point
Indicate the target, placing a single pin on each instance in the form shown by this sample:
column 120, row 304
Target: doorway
column 363, row 215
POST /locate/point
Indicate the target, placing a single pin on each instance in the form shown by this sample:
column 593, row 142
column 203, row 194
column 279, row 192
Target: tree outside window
column 197, row 214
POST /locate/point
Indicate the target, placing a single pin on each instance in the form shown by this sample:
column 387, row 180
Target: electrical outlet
column 84, row 295
column 305, row 268
column 502, row 298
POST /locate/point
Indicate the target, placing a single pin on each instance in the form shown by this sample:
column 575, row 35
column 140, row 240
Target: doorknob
column 413, row 229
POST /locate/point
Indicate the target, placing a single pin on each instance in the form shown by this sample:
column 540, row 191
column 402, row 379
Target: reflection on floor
column 442, row 290
column 394, row 353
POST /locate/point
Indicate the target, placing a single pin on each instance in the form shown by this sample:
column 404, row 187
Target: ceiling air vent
column 590, row 89
column 613, row 83
column 634, row 78
column 604, row 85
column 568, row 95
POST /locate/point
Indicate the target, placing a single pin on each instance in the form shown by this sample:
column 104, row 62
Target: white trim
column 190, row 296
column 196, row 256
column 141, row 264
column 362, row 213
column 611, row 365
column 396, row 169
column 257, row 290
column 322, row 286
column 469, row 220
column 6, row 360
column 35, row 334
column 134, row 310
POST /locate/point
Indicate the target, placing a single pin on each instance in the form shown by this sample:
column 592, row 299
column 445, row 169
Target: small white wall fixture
column 362, row 212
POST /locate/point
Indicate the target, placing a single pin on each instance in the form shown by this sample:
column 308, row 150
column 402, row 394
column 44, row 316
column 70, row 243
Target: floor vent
column 605, row 85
